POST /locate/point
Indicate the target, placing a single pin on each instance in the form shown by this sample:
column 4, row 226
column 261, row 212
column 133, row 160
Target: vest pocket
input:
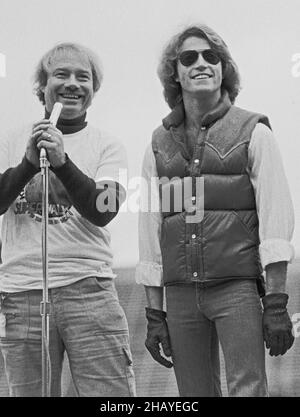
column 249, row 222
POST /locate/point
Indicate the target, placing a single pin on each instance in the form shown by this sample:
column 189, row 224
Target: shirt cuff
column 149, row 273
column 276, row 250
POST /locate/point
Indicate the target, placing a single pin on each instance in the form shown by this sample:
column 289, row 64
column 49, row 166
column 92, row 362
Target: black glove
column 277, row 325
column 157, row 332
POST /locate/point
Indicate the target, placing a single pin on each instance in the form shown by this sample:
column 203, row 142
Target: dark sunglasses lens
column 188, row 58
column 211, row 57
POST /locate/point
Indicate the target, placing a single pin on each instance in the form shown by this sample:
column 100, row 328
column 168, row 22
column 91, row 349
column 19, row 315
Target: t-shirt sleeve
column 12, row 178
column 113, row 167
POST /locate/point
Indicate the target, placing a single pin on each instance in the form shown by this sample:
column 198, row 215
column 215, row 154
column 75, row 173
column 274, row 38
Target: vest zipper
column 196, row 170
column 202, row 145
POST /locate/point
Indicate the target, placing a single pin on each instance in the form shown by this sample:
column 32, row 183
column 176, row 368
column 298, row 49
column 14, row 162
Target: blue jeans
column 87, row 322
column 199, row 316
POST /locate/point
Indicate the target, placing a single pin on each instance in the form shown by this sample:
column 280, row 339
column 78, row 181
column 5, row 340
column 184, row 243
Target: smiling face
column 69, row 82
column 201, row 77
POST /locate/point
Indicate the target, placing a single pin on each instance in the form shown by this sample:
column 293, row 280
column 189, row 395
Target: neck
column 67, row 126
column 196, row 107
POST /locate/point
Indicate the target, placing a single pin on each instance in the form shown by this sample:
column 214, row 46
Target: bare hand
column 32, row 153
column 51, row 139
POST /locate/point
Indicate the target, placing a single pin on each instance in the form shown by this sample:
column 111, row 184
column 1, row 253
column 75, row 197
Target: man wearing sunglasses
column 212, row 265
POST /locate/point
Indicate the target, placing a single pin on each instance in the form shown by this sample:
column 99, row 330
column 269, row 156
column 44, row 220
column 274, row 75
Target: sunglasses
column 189, row 57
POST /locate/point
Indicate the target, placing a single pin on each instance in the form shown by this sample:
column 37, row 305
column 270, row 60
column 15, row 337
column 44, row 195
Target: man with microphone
column 86, row 319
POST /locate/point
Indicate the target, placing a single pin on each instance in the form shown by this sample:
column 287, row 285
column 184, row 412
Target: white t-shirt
column 76, row 248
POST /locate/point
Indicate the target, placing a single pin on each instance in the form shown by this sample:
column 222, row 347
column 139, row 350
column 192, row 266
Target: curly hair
column 167, row 69
column 40, row 76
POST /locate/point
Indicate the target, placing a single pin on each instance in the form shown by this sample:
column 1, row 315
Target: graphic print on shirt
column 30, row 200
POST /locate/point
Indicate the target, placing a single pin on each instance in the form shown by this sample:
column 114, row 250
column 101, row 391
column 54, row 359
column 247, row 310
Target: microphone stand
column 45, row 305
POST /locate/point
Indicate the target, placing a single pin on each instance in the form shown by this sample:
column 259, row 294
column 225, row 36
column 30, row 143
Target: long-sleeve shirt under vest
column 273, row 203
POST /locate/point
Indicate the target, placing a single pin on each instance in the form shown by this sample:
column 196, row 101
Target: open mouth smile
column 201, row 76
column 70, row 96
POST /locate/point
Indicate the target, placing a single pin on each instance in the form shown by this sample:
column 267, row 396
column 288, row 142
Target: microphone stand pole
column 45, row 305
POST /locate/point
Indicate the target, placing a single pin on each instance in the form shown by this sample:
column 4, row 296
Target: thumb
column 166, row 346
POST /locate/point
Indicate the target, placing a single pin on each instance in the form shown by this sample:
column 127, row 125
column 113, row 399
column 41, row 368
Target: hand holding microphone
column 51, row 139
column 57, row 108
column 46, row 136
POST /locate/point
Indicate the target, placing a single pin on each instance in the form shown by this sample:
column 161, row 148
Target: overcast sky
column 128, row 35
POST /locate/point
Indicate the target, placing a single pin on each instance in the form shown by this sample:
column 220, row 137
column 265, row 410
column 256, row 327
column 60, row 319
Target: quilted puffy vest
column 224, row 244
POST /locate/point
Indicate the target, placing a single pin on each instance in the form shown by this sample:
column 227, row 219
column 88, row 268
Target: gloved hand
column 277, row 325
column 157, row 332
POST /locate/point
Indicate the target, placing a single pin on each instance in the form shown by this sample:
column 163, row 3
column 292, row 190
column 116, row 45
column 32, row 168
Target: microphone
column 57, row 108
column 54, row 116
